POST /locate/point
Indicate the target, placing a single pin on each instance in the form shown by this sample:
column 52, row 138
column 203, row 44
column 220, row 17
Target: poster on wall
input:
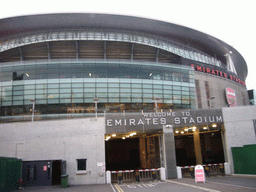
column 231, row 97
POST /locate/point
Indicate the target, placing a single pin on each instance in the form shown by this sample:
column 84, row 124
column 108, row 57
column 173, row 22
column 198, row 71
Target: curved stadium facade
column 63, row 61
column 90, row 94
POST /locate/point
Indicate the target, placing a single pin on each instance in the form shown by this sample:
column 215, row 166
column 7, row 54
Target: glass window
column 113, row 85
column 53, row 90
column 65, row 100
column 122, row 99
column 77, row 90
column 17, row 97
column 52, row 85
column 65, row 85
column 176, row 92
column 147, row 90
column 38, row 101
column 89, row 94
column 29, row 86
column 77, row 85
column 113, row 100
column 101, row 94
column 40, row 97
column 43, row 91
column 65, row 95
column 147, row 86
column 136, row 85
column 53, row 101
column 113, row 90
column 137, row 90
column 157, row 91
column 18, row 102
column 113, row 94
column 65, row 90
column 29, row 97
column 18, row 92
column 102, row 90
column 125, row 94
column 77, row 95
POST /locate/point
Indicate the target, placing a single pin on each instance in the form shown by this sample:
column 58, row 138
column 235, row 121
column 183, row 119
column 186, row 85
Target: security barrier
column 210, row 170
column 135, row 175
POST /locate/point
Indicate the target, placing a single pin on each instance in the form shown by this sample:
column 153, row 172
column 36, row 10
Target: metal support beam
column 48, row 50
column 77, row 50
column 132, row 50
column 157, row 54
column 105, row 50
column 21, row 54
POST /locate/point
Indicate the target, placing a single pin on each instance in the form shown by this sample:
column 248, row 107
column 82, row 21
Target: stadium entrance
column 132, row 151
column 199, row 145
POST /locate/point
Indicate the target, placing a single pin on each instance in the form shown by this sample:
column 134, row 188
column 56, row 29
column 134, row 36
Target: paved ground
column 213, row 184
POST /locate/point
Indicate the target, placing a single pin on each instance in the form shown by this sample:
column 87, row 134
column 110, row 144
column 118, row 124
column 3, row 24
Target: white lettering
column 211, row 119
column 147, row 120
column 109, row 123
column 219, row 119
column 132, row 121
column 118, row 122
column 177, row 120
column 163, row 121
column 155, row 121
column 191, row 120
column 199, row 119
column 185, row 119
column 140, row 122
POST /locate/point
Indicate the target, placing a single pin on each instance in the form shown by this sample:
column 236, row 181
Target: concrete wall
column 239, row 128
column 217, row 86
column 61, row 139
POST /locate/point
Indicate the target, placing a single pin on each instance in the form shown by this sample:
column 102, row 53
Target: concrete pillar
column 162, row 174
column 108, row 176
column 179, row 172
column 170, row 155
column 197, row 146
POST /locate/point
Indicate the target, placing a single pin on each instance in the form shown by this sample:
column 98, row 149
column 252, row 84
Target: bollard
column 154, row 175
column 120, row 178
column 222, row 170
column 207, row 171
column 191, row 171
column 137, row 175
column 162, row 174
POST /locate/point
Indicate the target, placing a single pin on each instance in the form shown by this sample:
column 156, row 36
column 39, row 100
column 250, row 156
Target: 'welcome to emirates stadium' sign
column 120, row 123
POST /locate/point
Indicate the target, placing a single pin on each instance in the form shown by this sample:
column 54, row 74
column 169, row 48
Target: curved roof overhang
column 16, row 25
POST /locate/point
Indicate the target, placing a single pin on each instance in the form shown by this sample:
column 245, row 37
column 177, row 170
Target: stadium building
column 94, row 92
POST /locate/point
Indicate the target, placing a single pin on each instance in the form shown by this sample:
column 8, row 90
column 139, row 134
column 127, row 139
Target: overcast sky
column 232, row 21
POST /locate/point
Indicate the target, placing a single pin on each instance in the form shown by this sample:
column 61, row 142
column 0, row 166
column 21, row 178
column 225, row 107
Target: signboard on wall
column 231, row 97
column 122, row 123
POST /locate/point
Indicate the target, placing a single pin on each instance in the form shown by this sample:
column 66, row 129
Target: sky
column 232, row 21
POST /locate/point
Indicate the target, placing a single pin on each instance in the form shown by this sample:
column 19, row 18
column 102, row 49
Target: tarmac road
column 212, row 184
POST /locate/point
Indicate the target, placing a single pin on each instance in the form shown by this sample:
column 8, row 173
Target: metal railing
column 210, row 169
column 135, row 175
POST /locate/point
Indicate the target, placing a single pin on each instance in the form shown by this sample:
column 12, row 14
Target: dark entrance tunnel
column 122, row 154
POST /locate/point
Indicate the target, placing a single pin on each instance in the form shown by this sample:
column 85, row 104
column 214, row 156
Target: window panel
column 53, row 101
column 113, row 100
column 40, row 97
column 18, row 102
column 53, row 91
column 65, row 90
column 65, row 95
column 29, row 87
column 66, row 85
column 43, row 91
column 52, row 86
